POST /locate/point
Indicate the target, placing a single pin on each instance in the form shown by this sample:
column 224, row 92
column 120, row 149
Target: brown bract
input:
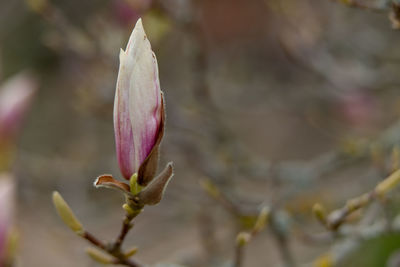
column 108, row 181
column 153, row 193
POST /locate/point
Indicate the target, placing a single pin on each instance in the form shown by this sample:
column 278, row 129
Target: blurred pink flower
column 6, row 212
column 138, row 106
column 127, row 11
column 358, row 107
column 15, row 96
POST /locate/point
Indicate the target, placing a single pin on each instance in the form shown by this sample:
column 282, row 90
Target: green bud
column 210, row 188
column 135, row 187
column 388, row 184
column 99, row 256
column 243, row 238
column 319, row 212
column 262, row 219
column 130, row 252
column 128, row 209
column 12, row 245
column 66, row 214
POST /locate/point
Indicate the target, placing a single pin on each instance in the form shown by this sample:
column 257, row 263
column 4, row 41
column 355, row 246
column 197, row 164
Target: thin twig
column 243, row 238
column 336, row 218
column 126, row 226
column 118, row 255
column 220, row 197
column 92, row 239
column 238, row 260
column 281, row 238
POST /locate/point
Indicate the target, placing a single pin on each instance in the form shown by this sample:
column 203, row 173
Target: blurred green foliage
column 374, row 252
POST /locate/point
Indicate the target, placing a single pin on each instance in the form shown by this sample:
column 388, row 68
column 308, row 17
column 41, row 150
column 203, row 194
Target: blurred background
column 282, row 103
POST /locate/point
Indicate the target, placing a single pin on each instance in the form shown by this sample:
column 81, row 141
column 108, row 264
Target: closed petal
column 122, row 125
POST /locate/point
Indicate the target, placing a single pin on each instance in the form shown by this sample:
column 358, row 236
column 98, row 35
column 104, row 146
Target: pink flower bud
column 15, row 97
column 6, row 212
column 138, row 108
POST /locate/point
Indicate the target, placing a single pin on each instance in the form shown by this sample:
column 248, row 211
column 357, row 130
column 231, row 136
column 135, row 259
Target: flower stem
column 126, row 226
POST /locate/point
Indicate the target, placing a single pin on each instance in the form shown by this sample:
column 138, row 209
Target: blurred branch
column 257, row 222
column 394, row 15
column 215, row 193
column 392, row 5
column 76, row 39
column 279, row 228
column 354, row 238
column 243, row 238
column 336, row 218
column 349, row 153
column 363, row 5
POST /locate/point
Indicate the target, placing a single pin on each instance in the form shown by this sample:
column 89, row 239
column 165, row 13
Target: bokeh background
column 282, row 103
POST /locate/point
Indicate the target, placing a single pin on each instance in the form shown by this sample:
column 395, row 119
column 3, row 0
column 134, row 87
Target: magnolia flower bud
column 139, row 126
column 138, row 109
column 15, row 97
column 6, row 213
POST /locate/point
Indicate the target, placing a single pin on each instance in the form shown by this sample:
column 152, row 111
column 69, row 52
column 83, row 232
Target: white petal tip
column 138, row 36
column 139, row 23
column 138, row 31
